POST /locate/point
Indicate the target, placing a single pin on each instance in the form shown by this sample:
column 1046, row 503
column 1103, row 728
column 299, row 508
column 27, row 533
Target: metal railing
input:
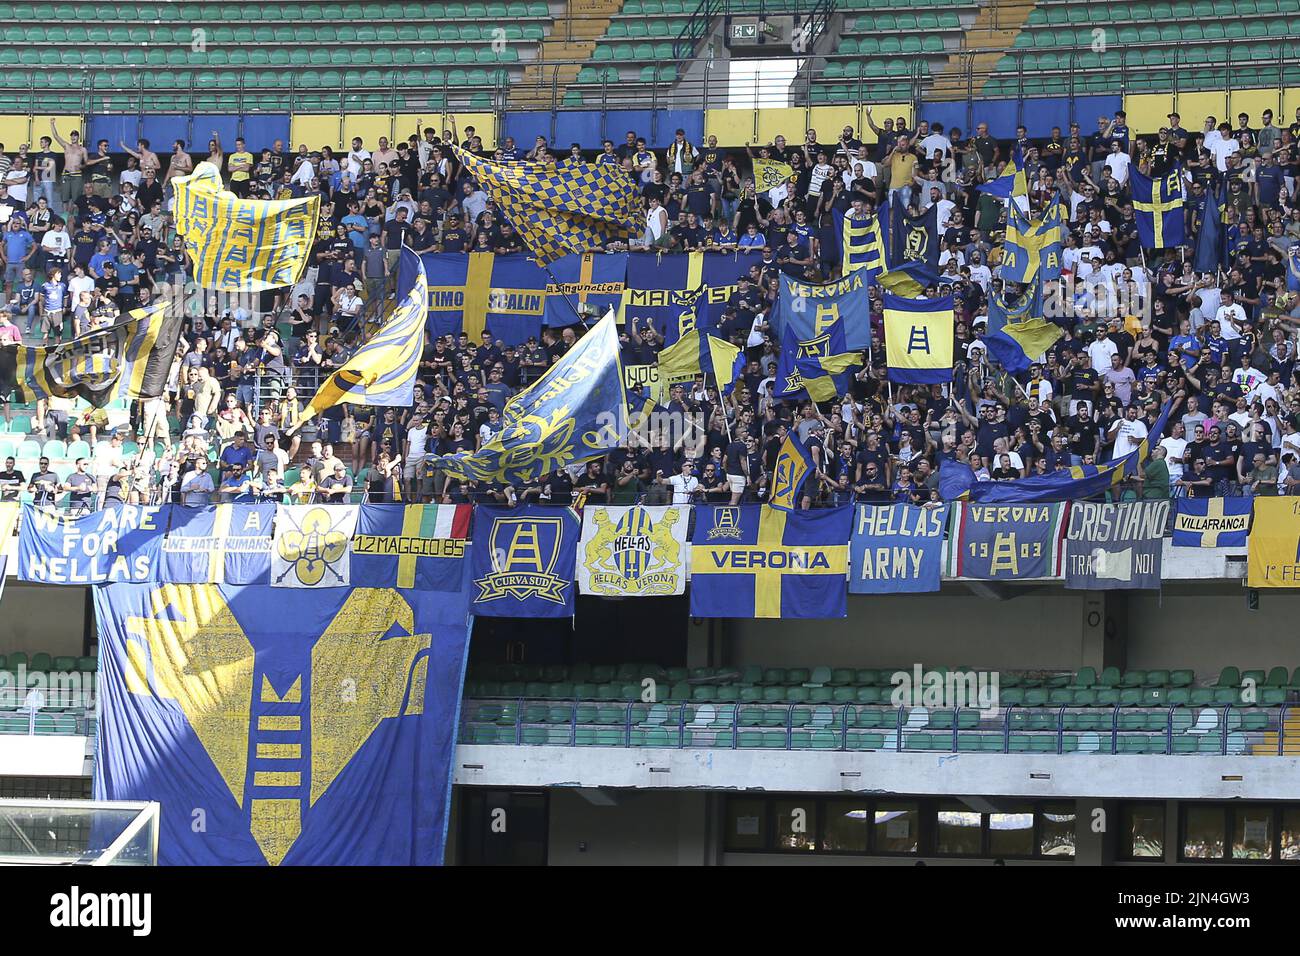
column 1222, row 731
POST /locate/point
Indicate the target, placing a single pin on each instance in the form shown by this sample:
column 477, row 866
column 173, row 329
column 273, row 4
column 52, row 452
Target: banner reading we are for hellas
column 1273, row 549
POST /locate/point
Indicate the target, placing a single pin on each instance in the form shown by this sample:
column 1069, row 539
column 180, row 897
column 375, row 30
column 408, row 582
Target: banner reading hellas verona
column 279, row 726
column 633, row 551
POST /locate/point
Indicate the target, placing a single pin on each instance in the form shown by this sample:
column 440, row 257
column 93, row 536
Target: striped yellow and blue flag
column 699, row 353
column 918, row 339
column 382, row 371
column 1012, row 183
column 560, row 210
column 818, row 368
column 130, row 359
column 242, row 245
column 1158, row 209
column 791, row 470
column 862, row 245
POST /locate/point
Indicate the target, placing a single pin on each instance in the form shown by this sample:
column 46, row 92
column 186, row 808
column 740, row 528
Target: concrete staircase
column 573, row 37
column 995, row 29
column 1290, row 743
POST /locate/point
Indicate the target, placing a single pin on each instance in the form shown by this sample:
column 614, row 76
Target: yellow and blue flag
column 1273, row 549
column 768, row 174
column 1293, row 269
column 791, row 470
column 524, row 563
column 957, row 481
column 589, row 284
column 753, row 561
column 560, row 210
column 410, row 546
column 242, row 245
column 382, row 371
column 918, row 339
column 1018, row 335
column 1033, row 246
column 1158, row 209
column 224, row 544
column 575, row 412
column 1012, row 183
column 130, row 359
column 481, row 292
column 1211, row 522
column 681, row 291
column 862, row 245
column 912, row 243
column 818, row 368
column 699, row 353
column 812, row 309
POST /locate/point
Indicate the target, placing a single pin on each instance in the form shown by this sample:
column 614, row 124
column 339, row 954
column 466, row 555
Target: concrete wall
column 627, row 828
column 38, row 617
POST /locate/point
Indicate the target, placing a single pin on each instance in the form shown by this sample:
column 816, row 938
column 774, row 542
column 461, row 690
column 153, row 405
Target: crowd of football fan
column 87, row 235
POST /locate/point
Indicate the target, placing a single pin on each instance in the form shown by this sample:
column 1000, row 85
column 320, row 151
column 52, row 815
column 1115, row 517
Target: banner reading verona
column 227, row 544
column 1115, row 546
column 1006, row 542
column 896, row 549
column 116, row 544
column 522, row 564
column 633, row 551
column 1273, row 554
column 758, row 561
column 311, row 729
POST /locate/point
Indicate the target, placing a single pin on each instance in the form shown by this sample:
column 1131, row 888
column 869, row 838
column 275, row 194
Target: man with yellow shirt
column 901, row 162
column 240, row 165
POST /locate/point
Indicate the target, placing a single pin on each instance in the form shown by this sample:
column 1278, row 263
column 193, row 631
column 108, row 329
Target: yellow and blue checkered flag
column 560, row 210
column 242, row 245
column 382, row 371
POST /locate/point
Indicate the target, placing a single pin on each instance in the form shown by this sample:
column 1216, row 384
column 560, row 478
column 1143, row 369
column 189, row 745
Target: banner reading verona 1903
column 633, row 551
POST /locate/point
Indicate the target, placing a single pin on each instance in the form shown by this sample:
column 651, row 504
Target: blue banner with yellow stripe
column 225, row 544
column 763, row 562
column 411, row 546
column 483, row 291
column 677, row 293
column 584, row 285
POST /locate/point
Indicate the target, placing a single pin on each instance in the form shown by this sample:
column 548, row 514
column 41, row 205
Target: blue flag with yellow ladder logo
column 918, row 339
column 481, row 292
column 524, row 562
column 1211, row 522
column 312, row 727
column 575, row 412
column 753, row 561
column 130, row 359
column 793, row 464
column 382, row 371
column 242, row 245
column 558, row 210
column 1158, row 209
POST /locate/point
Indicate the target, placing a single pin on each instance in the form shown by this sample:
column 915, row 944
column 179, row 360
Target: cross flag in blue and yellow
column 382, row 371
column 575, row 412
column 756, row 561
column 560, row 210
column 1012, row 183
column 918, row 339
column 242, row 245
column 699, row 353
column 1158, row 209
column 813, row 309
column 818, row 368
column 793, row 463
column 1017, row 334
column 1033, row 246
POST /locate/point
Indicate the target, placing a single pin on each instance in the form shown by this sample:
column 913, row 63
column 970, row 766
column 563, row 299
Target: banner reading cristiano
column 303, row 727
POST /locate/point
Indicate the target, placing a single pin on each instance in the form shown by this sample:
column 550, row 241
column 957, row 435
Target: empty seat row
column 241, row 12
column 41, row 661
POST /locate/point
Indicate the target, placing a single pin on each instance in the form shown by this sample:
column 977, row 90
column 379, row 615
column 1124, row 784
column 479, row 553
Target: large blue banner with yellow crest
column 524, row 561
column 297, row 727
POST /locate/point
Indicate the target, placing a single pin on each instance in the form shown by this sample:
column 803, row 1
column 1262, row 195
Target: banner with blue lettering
column 523, row 561
column 114, row 545
column 590, row 283
column 677, row 293
column 760, row 561
column 896, row 549
column 1006, row 542
column 225, row 544
column 308, row 727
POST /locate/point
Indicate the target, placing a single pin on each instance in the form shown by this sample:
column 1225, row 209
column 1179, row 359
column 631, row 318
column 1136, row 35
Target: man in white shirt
column 356, row 158
column 1118, row 162
column 936, row 140
column 1175, row 447
column 684, row 485
column 1222, row 147
column 1128, row 433
column 1100, row 350
column 1230, row 317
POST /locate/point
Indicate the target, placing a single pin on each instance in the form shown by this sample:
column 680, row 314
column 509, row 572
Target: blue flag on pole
column 1158, row 209
column 812, row 309
column 1211, row 251
column 312, row 727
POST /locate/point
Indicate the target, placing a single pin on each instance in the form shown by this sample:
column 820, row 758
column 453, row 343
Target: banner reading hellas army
column 633, row 551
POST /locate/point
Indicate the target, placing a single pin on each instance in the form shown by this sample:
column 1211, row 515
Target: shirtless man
column 147, row 158
column 74, row 161
column 181, row 164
